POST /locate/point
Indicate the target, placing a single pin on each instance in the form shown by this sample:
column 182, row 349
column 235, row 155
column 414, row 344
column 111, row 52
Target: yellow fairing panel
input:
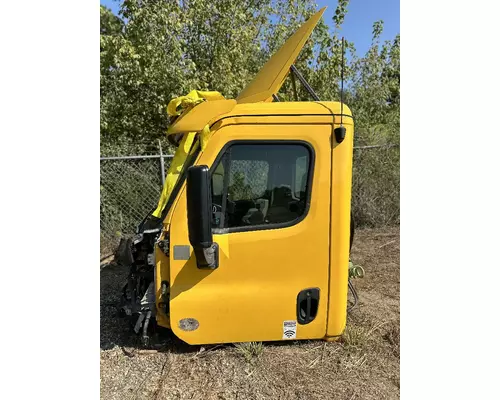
column 270, row 78
column 254, row 289
column 196, row 118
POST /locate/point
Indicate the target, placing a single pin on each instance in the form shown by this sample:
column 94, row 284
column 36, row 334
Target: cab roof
column 210, row 112
column 291, row 107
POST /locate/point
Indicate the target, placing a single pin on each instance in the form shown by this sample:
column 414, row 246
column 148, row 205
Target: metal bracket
column 208, row 258
column 302, row 80
column 163, row 245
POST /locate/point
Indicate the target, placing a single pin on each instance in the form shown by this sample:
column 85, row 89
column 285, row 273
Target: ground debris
column 366, row 368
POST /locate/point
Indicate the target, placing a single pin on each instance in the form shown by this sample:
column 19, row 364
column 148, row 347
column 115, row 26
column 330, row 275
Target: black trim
column 226, row 160
column 339, row 134
column 310, row 177
column 281, row 115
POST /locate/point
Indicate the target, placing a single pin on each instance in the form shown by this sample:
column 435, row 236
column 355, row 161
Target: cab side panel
column 340, row 231
column 260, row 274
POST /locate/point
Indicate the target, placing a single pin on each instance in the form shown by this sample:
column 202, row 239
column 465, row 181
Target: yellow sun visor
column 270, row 78
column 196, row 118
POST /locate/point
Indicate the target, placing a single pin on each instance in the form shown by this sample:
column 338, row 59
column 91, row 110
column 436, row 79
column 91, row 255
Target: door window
column 261, row 185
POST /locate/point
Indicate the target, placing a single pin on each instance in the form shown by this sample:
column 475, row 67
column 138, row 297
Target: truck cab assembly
column 251, row 241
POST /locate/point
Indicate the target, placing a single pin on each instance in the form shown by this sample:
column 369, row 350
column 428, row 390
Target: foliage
column 165, row 49
column 375, row 187
column 168, row 48
column 110, row 23
column 375, row 89
column 156, row 50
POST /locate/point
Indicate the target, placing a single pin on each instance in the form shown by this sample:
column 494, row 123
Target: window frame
column 309, row 186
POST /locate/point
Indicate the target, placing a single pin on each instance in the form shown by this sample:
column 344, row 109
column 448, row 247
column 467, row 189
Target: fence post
column 162, row 165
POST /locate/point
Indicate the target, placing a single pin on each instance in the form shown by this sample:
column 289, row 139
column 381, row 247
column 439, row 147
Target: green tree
column 165, row 49
column 110, row 23
column 375, row 90
column 156, row 50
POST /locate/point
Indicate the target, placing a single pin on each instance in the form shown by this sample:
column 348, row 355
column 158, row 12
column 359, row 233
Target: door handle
column 307, row 305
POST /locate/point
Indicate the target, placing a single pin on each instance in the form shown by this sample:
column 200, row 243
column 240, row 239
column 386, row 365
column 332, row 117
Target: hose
column 145, row 337
column 354, row 295
column 349, row 282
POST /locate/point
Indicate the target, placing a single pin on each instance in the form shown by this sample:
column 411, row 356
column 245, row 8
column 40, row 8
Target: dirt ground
column 365, row 365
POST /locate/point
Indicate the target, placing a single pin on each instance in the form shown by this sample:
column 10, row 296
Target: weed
column 354, row 336
column 250, row 350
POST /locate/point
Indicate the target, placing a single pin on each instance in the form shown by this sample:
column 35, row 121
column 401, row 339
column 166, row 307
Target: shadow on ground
column 116, row 331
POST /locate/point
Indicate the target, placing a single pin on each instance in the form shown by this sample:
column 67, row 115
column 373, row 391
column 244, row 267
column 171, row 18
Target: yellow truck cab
column 255, row 234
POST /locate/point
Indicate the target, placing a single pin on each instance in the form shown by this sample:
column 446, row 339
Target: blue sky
column 361, row 14
column 357, row 27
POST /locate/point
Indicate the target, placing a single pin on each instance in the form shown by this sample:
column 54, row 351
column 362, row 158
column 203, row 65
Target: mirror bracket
column 207, row 258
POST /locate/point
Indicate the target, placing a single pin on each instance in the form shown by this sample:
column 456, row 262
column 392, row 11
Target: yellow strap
column 186, row 145
column 193, row 98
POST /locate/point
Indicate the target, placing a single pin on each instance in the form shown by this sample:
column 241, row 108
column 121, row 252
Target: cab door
column 271, row 217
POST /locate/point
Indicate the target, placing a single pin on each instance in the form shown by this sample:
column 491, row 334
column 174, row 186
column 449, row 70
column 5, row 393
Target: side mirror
column 199, row 213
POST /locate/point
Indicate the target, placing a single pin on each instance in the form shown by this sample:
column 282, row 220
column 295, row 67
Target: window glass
column 300, row 175
column 248, row 179
column 260, row 184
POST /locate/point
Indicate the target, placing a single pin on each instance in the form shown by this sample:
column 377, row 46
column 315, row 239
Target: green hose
column 356, row 271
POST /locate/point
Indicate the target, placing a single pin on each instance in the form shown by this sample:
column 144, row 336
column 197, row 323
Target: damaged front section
column 137, row 301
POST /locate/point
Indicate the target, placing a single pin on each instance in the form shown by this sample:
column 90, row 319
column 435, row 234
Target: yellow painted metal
column 271, row 113
column 198, row 117
column 190, row 123
column 302, row 108
column 162, row 270
column 340, row 229
column 270, row 78
column 255, row 287
column 260, row 273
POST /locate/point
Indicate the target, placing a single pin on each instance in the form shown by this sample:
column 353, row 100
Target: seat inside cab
column 264, row 185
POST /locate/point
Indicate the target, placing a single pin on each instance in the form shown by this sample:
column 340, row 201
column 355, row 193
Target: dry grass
column 363, row 365
column 354, row 336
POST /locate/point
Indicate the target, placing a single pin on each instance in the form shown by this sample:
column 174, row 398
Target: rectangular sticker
column 182, row 252
column 289, row 329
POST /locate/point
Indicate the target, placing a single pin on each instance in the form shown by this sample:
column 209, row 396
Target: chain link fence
column 130, row 187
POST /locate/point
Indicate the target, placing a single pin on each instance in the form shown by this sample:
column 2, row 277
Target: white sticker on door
column 289, row 329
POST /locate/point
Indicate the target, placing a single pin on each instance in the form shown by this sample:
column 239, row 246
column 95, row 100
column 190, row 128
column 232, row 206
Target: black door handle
column 307, row 305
